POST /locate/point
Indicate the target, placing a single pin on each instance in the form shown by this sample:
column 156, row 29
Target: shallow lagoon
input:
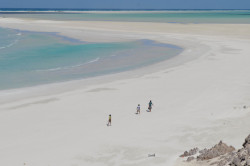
column 31, row 58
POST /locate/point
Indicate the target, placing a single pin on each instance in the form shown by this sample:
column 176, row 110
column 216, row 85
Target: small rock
column 236, row 162
column 184, row 154
column 190, row 159
column 248, row 149
column 191, row 152
column 247, row 141
column 248, row 161
column 222, row 163
column 203, row 151
column 242, row 154
column 229, row 159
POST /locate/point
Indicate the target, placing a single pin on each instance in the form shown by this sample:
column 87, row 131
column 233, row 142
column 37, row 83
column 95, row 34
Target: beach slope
column 200, row 97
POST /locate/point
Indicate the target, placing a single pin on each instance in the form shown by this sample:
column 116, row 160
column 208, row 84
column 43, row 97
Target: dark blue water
column 168, row 16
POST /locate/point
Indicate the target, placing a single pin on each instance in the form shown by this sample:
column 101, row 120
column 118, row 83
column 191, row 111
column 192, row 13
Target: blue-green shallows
column 29, row 58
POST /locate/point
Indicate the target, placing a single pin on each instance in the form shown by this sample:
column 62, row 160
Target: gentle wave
column 9, row 45
column 92, row 61
column 69, row 67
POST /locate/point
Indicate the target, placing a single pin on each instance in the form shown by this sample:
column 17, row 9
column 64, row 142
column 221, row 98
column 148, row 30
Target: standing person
column 150, row 106
column 109, row 122
column 138, row 109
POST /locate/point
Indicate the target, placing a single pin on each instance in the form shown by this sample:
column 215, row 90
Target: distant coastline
column 93, row 9
column 183, row 16
column 118, row 11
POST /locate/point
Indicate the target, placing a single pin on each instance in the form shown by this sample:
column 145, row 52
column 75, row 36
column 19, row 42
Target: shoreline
column 123, row 31
column 144, row 42
column 8, row 95
column 139, row 53
column 197, row 96
column 172, row 17
column 56, row 88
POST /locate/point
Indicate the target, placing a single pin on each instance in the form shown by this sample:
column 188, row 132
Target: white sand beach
column 198, row 99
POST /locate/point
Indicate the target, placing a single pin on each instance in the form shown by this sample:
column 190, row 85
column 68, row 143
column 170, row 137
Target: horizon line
column 110, row 9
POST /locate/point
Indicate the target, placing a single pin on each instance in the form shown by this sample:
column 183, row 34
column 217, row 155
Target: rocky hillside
column 221, row 155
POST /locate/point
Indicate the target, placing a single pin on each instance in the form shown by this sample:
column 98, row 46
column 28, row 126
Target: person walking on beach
column 109, row 122
column 138, row 109
column 150, row 106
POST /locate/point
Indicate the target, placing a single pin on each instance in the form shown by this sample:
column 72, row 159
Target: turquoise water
column 178, row 16
column 29, row 58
